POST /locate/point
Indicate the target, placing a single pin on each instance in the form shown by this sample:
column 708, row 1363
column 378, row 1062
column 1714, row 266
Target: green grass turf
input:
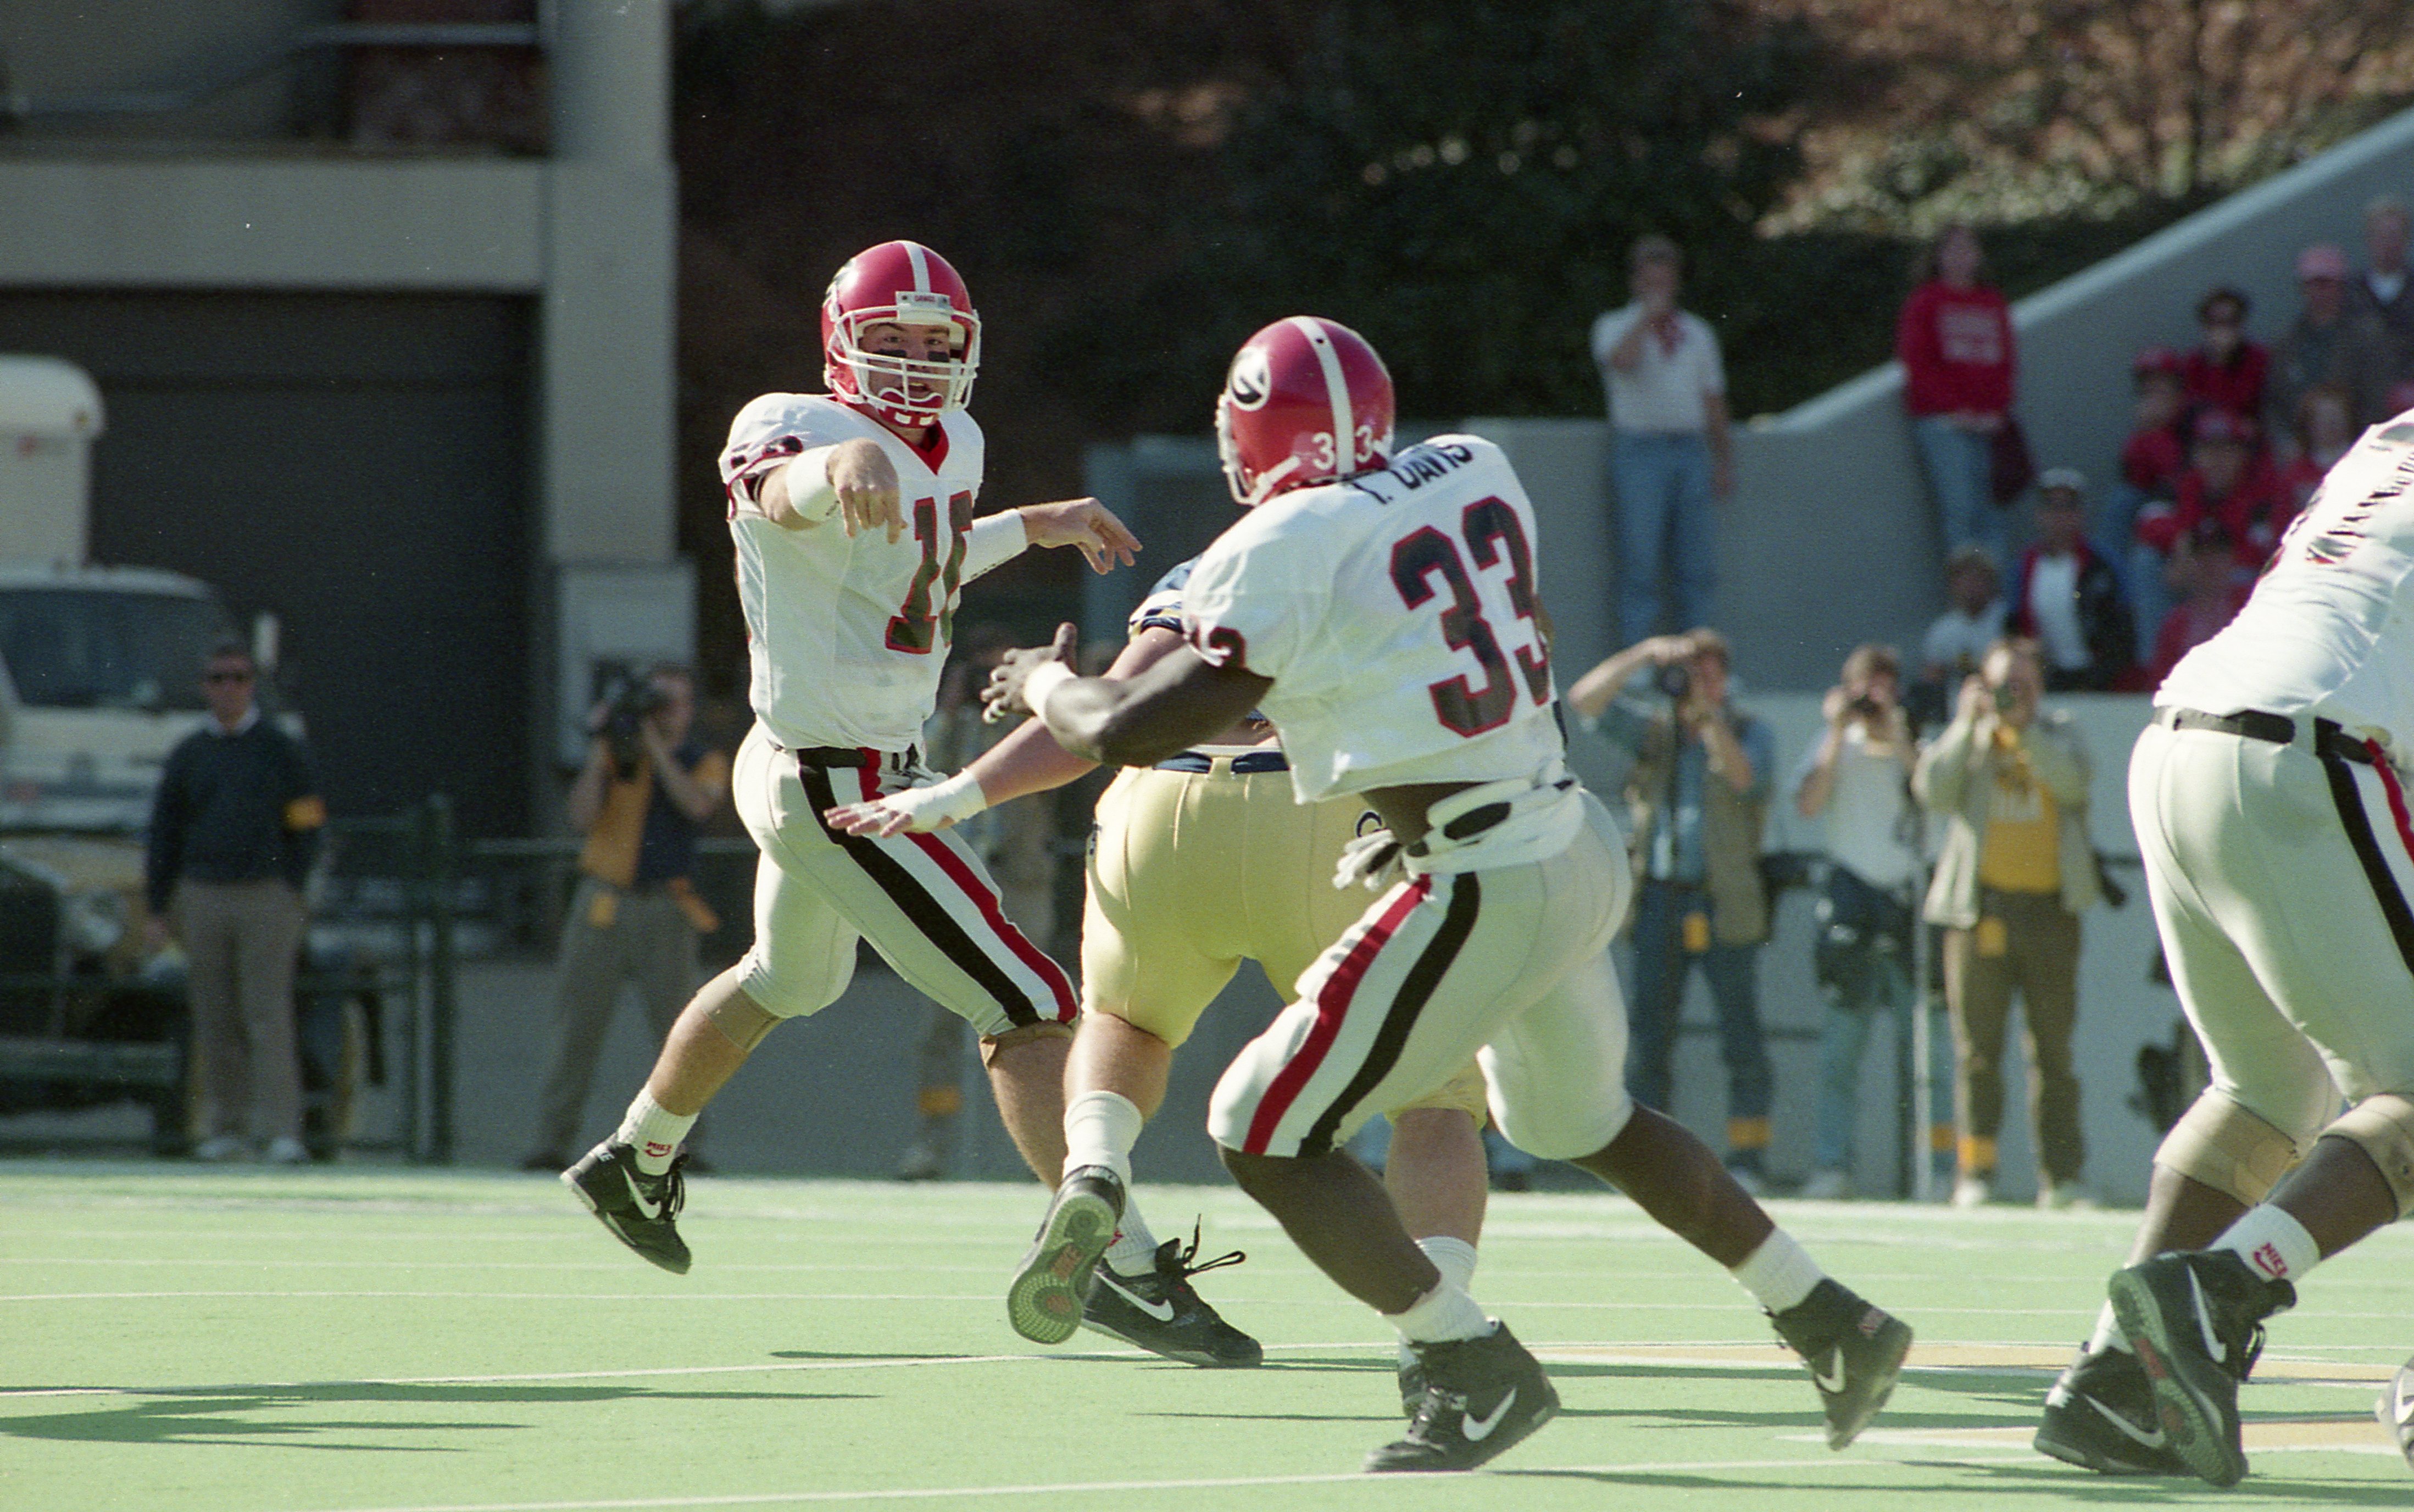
column 173, row 1338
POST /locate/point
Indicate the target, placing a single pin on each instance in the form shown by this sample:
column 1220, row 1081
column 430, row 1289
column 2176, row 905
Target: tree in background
column 2009, row 111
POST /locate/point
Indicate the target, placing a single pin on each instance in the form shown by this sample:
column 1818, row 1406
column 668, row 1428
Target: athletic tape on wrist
column 1046, row 678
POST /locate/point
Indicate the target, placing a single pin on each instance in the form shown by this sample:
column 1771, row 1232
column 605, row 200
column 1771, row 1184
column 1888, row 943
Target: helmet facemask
column 884, row 382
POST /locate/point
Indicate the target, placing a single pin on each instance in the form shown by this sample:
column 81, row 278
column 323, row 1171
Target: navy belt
column 1266, row 759
column 2275, row 729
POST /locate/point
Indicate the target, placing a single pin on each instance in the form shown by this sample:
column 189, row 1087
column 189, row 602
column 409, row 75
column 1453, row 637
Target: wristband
column 820, row 501
column 993, row 541
column 1049, row 676
column 954, row 799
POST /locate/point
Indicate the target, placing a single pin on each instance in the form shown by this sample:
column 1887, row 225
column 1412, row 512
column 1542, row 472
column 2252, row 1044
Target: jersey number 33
column 1427, row 562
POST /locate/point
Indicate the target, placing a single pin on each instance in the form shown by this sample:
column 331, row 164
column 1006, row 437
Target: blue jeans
column 1665, row 515
column 1844, row 1033
column 1960, row 466
column 2150, row 597
column 1662, row 963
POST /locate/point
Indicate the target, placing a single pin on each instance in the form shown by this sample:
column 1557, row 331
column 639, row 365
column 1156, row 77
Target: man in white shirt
column 1671, row 455
column 1856, row 781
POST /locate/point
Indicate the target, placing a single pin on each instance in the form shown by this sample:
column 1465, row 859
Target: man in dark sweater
column 233, row 829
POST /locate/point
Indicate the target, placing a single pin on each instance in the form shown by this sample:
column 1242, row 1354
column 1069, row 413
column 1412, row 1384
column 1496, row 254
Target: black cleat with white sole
column 639, row 1209
column 2196, row 1319
column 1481, row 1397
column 2395, row 1409
column 1043, row 1302
column 2100, row 1416
column 1854, row 1352
column 1163, row 1314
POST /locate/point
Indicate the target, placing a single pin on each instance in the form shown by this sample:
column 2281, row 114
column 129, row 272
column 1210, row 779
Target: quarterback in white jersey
column 853, row 522
column 1382, row 610
column 2269, row 799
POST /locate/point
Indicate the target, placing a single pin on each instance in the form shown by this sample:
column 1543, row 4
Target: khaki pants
column 645, row 938
column 240, row 939
column 2029, row 941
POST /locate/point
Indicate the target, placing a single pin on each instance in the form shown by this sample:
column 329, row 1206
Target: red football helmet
column 1307, row 401
column 908, row 284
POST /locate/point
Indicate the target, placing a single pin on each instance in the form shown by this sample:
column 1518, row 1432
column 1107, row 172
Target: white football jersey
column 848, row 634
column 2330, row 627
column 1396, row 614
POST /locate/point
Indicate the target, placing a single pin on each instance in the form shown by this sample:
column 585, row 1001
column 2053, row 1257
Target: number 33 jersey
column 847, row 634
column 1396, row 613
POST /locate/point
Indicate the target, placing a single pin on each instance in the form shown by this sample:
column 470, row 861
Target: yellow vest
column 2021, row 850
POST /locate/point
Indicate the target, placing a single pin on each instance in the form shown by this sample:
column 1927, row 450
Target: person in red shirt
column 2204, row 568
column 1954, row 339
column 2225, row 481
column 2325, row 429
column 2228, row 371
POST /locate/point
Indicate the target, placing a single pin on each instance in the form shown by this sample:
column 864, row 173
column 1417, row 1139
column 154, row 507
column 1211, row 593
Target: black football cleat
column 1854, row 1352
column 1163, row 1314
column 2100, row 1416
column 1481, row 1396
column 1043, row 1302
column 639, row 1209
column 2196, row 1320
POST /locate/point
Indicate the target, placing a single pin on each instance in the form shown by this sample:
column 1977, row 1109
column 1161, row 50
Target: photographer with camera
column 636, row 917
column 2014, row 874
column 1856, row 782
column 1699, row 791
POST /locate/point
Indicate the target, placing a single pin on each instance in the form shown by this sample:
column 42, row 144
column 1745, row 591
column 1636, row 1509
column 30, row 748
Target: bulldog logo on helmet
column 1250, row 381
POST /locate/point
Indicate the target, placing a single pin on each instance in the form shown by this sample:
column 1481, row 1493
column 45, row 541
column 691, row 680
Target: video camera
column 628, row 699
column 1675, row 679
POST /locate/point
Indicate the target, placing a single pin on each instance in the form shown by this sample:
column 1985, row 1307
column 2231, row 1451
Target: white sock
column 1456, row 1260
column 2273, row 1244
column 1443, row 1313
column 655, row 1133
column 1100, row 1129
column 1134, row 1251
column 1780, row 1274
column 2107, row 1334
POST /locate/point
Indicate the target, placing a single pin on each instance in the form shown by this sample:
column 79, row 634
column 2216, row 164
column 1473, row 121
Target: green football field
column 382, row 1339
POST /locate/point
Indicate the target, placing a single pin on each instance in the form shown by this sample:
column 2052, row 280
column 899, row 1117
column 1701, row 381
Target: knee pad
column 2233, row 1151
column 741, row 1020
column 992, row 1044
column 2383, row 1127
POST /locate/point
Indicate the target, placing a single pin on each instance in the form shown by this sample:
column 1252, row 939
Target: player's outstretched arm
column 1177, row 702
column 853, row 480
column 1025, row 762
column 1084, row 523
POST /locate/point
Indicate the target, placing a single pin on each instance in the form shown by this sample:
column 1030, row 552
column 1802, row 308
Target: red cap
column 2321, row 261
column 2158, row 360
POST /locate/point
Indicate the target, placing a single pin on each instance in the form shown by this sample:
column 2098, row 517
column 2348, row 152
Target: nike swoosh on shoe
column 647, row 1209
column 1830, row 1384
column 1161, row 1311
column 1476, row 1429
column 2128, row 1430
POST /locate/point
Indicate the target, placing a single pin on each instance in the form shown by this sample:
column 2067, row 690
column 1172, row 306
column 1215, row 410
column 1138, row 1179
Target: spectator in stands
column 1957, row 640
column 2203, row 574
column 2228, row 482
column 635, row 917
column 2067, row 597
column 2331, row 342
column 1954, row 339
column 234, row 827
column 1671, row 455
column 1856, row 781
column 2385, row 291
column 2155, row 454
column 2324, row 432
column 2009, row 780
column 1699, row 794
column 2227, row 371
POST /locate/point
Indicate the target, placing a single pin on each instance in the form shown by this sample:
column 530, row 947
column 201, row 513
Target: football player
column 1380, row 608
column 853, row 518
column 2269, row 799
column 1195, row 863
